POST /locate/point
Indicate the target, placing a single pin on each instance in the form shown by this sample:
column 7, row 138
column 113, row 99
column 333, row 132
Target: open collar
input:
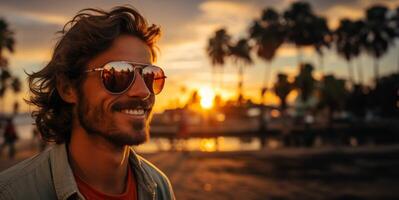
column 65, row 184
column 64, row 181
column 145, row 183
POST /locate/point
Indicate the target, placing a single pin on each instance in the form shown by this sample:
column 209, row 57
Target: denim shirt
column 48, row 175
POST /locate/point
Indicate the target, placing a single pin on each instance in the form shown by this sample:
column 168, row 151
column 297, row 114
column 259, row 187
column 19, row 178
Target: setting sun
column 207, row 95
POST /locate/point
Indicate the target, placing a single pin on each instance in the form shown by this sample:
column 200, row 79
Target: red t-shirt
column 90, row 193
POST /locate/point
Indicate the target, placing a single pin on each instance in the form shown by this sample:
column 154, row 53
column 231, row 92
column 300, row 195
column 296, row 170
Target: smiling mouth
column 134, row 112
column 133, row 108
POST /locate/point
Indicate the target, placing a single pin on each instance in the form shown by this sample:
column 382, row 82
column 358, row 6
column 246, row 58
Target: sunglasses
column 118, row 76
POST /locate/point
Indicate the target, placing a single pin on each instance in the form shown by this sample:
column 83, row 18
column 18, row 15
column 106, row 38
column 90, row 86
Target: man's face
column 103, row 114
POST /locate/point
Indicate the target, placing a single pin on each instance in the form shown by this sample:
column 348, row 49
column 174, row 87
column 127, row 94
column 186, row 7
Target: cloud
column 47, row 18
column 338, row 12
column 321, row 6
column 232, row 15
column 391, row 4
column 177, row 13
column 175, row 18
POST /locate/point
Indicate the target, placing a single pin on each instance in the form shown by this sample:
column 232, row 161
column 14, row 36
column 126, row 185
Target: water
column 200, row 144
column 24, row 128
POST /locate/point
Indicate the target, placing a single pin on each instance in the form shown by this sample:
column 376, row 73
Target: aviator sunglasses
column 118, row 76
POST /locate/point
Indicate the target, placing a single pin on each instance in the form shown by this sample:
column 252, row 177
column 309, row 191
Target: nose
column 139, row 89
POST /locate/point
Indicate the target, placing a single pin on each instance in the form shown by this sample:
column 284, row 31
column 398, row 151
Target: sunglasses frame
column 136, row 65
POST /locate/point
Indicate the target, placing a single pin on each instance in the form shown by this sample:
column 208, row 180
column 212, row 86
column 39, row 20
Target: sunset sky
column 186, row 26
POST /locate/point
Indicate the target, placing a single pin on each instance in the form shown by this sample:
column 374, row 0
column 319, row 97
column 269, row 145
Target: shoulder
column 24, row 168
column 30, row 175
column 155, row 173
column 147, row 165
column 163, row 184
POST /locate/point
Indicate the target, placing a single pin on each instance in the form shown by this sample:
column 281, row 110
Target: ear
column 66, row 90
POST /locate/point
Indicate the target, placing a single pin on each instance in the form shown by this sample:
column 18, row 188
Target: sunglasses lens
column 117, row 76
column 158, row 85
column 154, row 78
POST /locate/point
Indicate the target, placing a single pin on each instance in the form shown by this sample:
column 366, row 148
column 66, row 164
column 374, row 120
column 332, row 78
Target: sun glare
column 207, row 96
column 207, row 145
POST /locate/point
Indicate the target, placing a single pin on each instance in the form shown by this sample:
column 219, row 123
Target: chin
column 129, row 138
column 138, row 138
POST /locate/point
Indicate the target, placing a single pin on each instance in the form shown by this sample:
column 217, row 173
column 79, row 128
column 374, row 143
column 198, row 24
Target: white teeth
column 133, row 111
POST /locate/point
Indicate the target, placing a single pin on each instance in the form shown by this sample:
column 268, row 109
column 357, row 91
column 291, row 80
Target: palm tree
column 16, row 87
column 332, row 95
column 387, row 93
column 300, row 23
column 358, row 99
column 4, row 77
column 305, row 82
column 322, row 39
column 358, row 44
column 218, row 50
column 282, row 88
column 6, row 42
column 395, row 25
column 346, row 45
column 240, row 53
column 268, row 32
column 379, row 34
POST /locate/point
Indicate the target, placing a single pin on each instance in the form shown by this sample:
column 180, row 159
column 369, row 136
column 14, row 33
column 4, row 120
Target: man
column 95, row 98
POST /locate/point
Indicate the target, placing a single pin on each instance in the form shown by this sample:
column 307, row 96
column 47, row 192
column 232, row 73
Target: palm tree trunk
column 3, row 86
column 299, row 55
column 264, row 86
column 354, row 71
column 267, row 75
column 15, row 105
column 221, row 83
column 376, row 70
column 360, row 72
column 350, row 72
column 269, row 79
column 283, row 103
column 3, row 105
column 266, row 80
column 213, row 76
column 398, row 66
column 321, row 64
column 240, row 82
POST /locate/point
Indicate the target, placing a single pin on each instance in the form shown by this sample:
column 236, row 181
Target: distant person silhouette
column 10, row 137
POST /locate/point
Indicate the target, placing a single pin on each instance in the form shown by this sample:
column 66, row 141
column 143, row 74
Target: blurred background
column 265, row 99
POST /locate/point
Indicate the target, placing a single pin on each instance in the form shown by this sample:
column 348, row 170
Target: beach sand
column 328, row 173
column 318, row 173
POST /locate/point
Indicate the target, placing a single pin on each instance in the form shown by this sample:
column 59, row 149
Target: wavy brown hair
column 89, row 33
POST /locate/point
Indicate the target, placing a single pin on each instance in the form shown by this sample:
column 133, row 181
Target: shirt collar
column 64, row 181
column 145, row 183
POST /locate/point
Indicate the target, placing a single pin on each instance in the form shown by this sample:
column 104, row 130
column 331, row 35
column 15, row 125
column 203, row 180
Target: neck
column 99, row 163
